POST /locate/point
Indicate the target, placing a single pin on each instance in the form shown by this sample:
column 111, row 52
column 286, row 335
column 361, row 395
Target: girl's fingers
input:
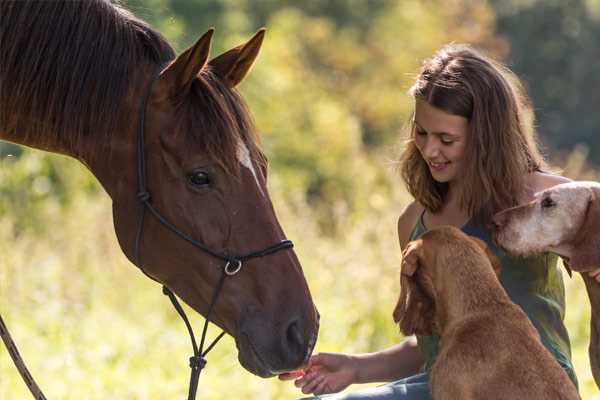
column 322, row 388
column 313, row 384
column 288, row 376
column 594, row 273
column 305, row 380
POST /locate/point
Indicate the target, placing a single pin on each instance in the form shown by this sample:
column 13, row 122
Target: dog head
column 564, row 219
column 426, row 263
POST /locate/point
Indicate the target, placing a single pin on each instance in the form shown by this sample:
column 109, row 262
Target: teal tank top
column 535, row 284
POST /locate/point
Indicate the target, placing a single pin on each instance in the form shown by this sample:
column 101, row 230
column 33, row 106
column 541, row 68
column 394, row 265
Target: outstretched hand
column 595, row 274
column 326, row 373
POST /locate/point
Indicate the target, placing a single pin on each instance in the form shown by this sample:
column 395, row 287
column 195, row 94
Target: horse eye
column 199, row 179
column 547, row 203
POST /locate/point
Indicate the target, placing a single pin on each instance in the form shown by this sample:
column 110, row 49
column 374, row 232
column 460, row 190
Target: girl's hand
column 326, row 373
column 595, row 274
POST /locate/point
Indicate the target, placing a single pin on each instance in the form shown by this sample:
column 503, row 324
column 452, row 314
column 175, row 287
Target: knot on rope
column 197, row 362
column 144, row 196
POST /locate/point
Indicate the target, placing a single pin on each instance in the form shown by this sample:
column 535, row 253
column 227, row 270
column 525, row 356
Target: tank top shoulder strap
column 419, row 227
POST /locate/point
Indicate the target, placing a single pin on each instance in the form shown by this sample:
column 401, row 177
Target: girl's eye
column 199, row 179
column 446, row 141
column 420, row 132
column 547, row 203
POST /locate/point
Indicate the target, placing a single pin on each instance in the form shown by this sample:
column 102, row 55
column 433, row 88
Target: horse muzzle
column 269, row 346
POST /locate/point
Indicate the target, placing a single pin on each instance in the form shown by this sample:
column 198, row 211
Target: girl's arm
column 391, row 364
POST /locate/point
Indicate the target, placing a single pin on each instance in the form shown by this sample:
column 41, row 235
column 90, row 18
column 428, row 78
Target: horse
column 90, row 80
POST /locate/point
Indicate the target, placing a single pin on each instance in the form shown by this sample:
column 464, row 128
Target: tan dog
column 564, row 219
column 488, row 347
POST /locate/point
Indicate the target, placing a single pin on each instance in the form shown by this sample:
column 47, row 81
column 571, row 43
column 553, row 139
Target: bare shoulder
column 407, row 220
column 539, row 181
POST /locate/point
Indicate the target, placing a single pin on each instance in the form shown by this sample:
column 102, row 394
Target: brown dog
column 488, row 347
column 564, row 219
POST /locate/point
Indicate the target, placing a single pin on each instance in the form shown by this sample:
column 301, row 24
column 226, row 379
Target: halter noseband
column 233, row 264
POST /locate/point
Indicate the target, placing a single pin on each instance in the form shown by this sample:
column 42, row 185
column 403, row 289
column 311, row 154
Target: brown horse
column 73, row 78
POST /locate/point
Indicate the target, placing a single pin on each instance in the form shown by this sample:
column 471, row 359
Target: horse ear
column 186, row 67
column 586, row 255
column 491, row 256
column 233, row 65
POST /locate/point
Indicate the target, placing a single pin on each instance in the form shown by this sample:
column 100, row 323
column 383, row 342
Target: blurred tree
column 554, row 48
column 329, row 91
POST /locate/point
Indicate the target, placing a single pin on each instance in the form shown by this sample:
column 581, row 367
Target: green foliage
column 90, row 325
column 328, row 91
column 329, row 97
column 554, row 47
column 38, row 186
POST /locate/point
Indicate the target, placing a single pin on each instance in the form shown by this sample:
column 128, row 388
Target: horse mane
column 213, row 109
column 66, row 68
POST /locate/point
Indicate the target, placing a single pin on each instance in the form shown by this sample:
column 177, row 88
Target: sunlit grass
column 90, row 326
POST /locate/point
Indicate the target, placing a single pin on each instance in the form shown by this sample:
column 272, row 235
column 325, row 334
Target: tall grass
column 91, row 326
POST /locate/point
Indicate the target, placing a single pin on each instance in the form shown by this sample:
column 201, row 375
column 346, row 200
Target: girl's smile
column 441, row 140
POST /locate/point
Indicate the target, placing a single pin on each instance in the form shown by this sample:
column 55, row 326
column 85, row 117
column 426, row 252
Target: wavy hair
column 501, row 146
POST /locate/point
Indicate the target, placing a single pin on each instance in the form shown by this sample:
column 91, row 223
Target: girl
column 471, row 154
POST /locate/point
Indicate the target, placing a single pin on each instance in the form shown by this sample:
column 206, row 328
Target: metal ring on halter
column 233, row 267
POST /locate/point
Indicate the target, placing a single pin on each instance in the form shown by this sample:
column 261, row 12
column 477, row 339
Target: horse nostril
column 293, row 333
column 294, row 337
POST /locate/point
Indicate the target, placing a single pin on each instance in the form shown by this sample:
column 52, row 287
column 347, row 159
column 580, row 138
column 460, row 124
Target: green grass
column 91, row 326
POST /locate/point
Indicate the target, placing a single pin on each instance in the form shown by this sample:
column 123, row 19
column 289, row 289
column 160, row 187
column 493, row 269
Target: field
column 90, row 326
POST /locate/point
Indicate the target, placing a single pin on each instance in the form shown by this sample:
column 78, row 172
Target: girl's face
column 441, row 139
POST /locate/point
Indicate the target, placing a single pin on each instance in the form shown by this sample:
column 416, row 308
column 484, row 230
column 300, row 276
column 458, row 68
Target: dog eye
column 199, row 179
column 547, row 203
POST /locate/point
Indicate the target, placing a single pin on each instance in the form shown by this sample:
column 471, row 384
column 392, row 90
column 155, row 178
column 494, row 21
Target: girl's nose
column 431, row 148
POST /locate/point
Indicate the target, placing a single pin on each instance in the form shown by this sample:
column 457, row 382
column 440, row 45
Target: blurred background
column 329, row 95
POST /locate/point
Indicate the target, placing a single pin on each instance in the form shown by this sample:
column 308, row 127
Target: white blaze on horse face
column 243, row 156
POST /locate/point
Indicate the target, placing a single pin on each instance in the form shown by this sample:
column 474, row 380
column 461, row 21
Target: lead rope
column 232, row 264
column 198, row 360
column 19, row 363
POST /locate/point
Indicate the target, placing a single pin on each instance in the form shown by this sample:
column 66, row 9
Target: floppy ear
column 586, row 254
column 410, row 257
column 180, row 74
column 414, row 310
column 233, row 65
column 491, row 256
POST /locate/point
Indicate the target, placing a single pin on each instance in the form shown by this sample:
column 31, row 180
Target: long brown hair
column 501, row 147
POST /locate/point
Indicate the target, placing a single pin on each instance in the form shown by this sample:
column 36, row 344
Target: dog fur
column 489, row 350
column 564, row 219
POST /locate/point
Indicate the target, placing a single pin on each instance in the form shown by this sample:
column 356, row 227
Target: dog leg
column 593, row 288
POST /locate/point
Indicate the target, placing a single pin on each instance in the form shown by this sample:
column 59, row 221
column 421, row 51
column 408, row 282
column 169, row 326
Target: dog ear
column 586, row 254
column 410, row 257
column 491, row 256
column 414, row 310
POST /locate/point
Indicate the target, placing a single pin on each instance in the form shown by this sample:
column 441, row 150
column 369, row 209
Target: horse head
column 207, row 177
column 104, row 79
